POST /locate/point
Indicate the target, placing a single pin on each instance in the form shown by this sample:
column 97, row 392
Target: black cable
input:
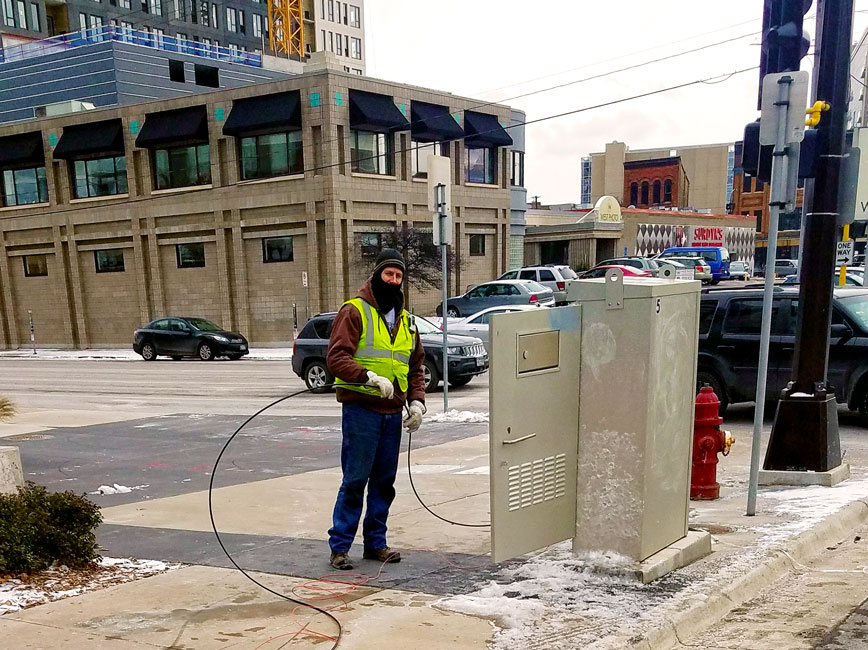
column 229, row 555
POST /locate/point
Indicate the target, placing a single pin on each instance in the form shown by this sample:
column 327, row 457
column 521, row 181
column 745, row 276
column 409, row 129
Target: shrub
column 7, row 409
column 38, row 527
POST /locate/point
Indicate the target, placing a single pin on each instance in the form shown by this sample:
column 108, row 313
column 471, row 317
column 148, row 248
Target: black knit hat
column 389, row 257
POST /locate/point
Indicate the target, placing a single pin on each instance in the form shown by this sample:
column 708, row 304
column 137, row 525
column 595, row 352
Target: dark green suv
column 729, row 333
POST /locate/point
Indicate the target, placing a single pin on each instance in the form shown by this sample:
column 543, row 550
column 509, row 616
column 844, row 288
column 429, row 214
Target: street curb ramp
column 696, row 616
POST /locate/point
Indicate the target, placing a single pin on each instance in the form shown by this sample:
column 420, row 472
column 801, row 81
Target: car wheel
column 717, row 281
column 206, row 352
column 432, row 377
column 458, row 382
column 452, row 312
column 176, row 358
column 317, row 376
column 149, row 352
column 704, row 377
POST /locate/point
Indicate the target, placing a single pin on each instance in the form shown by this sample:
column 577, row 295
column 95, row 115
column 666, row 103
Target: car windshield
column 204, row 325
column 425, row 326
column 856, row 308
column 724, row 255
column 534, row 286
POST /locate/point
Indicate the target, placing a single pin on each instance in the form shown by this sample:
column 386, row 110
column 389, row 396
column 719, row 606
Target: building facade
column 660, row 182
column 708, row 168
column 237, row 205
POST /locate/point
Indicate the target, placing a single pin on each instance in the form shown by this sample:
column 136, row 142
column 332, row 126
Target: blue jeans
column 369, row 457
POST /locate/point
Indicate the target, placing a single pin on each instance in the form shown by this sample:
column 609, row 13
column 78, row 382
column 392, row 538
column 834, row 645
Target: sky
column 496, row 50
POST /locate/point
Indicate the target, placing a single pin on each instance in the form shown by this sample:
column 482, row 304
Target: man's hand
column 414, row 419
column 386, row 387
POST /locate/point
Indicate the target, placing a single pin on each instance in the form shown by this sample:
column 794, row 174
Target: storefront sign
column 608, row 210
column 705, row 236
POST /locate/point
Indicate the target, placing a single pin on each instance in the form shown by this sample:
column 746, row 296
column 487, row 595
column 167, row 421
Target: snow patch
column 118, row 489
column 459, row 416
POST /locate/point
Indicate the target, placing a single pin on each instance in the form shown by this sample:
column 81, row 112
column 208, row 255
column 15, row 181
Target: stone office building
column 226, row 204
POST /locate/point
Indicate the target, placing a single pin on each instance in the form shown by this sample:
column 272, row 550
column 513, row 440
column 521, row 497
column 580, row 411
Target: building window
column 182, row 166
column 517, row 177
column 746, row 183
column 331, row 4
column 356, row 48
column 241, row 28
column 277, row 249
column 275, row 154
column 667, row 191
column 231, row 19
column 22, row 14
column 419, row 156
column 206, row 75
column 24, row 186
column 109, row 261
column 477, row 245
column 155, row 7
column 634, row 194
column 644, row 199
column 759, row 185
column 190, row 256
column 355, row 16
column 759, row 220
column 35, row 266
column 82, row 20
column 371, row 153
column 99, row 177
column 34, row 17
column 176, row 68
column 481, row 165
column 656, row 192
column 257, row 25
column 124, row 4
column 9, row 13
column 371, row 243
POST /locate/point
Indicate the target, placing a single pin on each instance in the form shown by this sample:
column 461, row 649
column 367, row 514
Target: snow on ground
column 118, row 489
column 258, row 354
column 559, row 601
column 62, row 582
column 459, row 416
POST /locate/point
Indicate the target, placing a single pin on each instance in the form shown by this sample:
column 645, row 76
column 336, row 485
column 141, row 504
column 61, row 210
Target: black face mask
column 388, row 296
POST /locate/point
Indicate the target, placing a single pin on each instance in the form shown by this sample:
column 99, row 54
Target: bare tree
column 422, row 258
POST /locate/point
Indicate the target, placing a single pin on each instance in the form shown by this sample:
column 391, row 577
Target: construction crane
column 286, row 31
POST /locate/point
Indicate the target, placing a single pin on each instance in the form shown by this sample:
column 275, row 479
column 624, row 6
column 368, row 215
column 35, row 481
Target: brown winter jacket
column 344, row 340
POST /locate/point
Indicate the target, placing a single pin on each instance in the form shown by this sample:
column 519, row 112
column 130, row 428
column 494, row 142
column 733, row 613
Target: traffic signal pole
column 805, row 432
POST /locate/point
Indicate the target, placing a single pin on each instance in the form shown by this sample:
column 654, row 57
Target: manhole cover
column 31, row 436
column 713, row 529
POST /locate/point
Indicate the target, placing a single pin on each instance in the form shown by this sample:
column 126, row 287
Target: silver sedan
column 477, row 324
column 498, row 293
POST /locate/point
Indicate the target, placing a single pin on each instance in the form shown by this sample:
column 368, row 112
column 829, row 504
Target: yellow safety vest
column 376, row 351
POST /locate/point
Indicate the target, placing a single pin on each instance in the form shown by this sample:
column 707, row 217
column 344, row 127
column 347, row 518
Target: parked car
column 739, row 270
column 498, row 292
column 187, row 337
column 636, row 262
column 729, row 333
column 628, row 271
column 716, row 256
column 467, row 355
column 555, row 277
column 701, row 268
column 786, row 268
column 477, row 324
column 850, row 279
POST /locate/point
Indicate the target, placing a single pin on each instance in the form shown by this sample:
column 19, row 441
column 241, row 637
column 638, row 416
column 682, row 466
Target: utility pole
column 805, row 432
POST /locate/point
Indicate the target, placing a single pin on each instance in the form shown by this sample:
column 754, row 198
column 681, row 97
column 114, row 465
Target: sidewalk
column 550, row 600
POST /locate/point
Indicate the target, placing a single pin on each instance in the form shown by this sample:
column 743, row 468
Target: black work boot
column 341, row 561
column 384, row 554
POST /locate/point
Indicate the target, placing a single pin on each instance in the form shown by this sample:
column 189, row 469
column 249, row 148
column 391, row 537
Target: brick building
column 659, row 182
column 218, row 205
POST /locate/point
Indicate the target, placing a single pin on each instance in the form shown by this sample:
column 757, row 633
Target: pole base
column 705, row 492
column 805, row 433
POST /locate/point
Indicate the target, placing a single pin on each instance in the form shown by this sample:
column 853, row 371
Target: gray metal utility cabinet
column 602, row 391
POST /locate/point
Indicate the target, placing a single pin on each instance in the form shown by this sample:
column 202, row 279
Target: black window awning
column 22, row 149
column 433, row 123
column 176, row 127
column 91, row 139
column 278, row 111
column 374, row 112
column 483, row 130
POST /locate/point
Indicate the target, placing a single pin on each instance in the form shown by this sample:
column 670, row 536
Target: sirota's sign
column 706, row 236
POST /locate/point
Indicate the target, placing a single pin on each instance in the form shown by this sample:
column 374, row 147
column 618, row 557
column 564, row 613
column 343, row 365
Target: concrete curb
column 698, row 616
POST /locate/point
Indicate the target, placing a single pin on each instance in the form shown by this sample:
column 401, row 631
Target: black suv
column 729, row 334
column 467, row 356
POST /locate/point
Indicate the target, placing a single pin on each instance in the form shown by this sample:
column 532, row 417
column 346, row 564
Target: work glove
column 414, row 419
column 386, row 387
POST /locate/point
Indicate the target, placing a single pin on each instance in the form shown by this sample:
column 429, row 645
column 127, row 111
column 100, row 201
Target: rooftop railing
column 66, row 42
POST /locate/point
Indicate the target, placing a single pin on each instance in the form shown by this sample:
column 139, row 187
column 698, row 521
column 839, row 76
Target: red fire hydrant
column 708, row 440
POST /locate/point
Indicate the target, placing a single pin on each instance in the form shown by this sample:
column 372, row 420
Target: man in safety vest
column 375, row 343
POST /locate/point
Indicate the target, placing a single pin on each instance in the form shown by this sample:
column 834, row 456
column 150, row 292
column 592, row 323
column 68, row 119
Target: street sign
column 860, row 209
column 440, row 173
column 795, row 132
column 304, row 278
column 844, row 252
